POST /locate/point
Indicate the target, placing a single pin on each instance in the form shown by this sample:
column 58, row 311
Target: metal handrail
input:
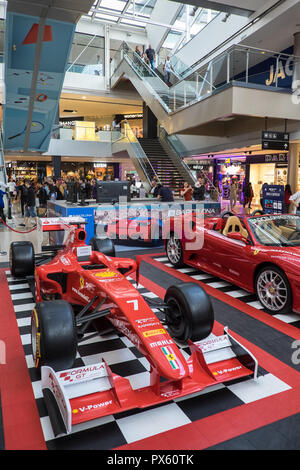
column 141, row 156
column 164, row 137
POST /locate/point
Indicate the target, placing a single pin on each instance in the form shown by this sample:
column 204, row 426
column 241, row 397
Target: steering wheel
column 258, row 211
column 294, row 236
column 227, row 213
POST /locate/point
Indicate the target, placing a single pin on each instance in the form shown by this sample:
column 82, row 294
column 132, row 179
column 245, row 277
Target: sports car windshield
column 277, row 230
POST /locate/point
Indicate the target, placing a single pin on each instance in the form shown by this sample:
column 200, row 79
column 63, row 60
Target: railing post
column 197, row 85
column 247, row 66
column 228, row 67
column 184, row 94
column 211, row 77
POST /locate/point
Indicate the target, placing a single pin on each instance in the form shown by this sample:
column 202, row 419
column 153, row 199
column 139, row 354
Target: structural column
column 56, row 163
column 149, row 123
column 296, row 72
column 293, row 166
column 107, row 56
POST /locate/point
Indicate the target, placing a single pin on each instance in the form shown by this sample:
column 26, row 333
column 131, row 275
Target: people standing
column 30, row 203
column 142, row 192
column 287, row 195
column 233, row 194
column 187, row 192
column 150, row 53
column 165, row 194
column 295, row 201
column 199, row 189
column 248, row 195
column 261, row 194
column 168, row 70
column 2, row 193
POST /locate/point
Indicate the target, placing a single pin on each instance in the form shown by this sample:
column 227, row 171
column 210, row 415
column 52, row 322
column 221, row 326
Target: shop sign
column 268, row 158
column 275, row 140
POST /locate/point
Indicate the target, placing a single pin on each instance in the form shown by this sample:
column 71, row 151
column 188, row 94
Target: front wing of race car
column 85, row 393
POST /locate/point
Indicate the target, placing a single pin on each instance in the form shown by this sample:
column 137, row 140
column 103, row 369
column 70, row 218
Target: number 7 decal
column 135, row 304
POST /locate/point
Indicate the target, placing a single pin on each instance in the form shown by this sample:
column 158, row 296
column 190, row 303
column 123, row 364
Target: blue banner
column 273, row 199
column 20, row 51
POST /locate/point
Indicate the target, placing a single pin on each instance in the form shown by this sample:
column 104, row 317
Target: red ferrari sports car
column 259, row 253
column 78, row 286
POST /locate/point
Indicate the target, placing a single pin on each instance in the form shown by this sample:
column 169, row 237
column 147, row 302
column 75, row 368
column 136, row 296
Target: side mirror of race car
column 238, row 236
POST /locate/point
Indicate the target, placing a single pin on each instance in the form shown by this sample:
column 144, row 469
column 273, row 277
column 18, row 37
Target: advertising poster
column 20, row 68
column 273, row 199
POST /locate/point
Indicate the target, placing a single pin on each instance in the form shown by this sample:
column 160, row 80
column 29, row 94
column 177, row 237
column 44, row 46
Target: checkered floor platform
column 229, row 289
column 124, row 359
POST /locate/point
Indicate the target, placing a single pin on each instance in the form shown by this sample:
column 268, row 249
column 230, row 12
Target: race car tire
column 190, row 314
column 21, row 259
column 273, row 290
column 174, row 251
column 53, row 335
column 103, row 245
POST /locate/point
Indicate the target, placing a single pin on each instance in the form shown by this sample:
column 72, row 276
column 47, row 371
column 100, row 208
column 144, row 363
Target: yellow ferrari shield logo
column 81, row 282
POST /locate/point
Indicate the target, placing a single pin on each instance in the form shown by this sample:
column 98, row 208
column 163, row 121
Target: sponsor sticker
column 161, row 331
column 105, row 274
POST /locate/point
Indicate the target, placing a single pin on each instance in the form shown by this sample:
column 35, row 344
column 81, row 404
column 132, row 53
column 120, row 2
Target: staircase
column 163, row 165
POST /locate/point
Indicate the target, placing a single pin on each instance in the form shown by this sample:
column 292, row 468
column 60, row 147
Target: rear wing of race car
column 85, row 393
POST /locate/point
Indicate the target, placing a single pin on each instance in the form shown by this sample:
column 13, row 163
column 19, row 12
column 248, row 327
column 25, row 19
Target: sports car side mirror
column 238, row 236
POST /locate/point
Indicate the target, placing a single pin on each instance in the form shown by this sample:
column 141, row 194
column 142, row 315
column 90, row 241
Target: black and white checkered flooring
column 124, row 359
column 229, row 289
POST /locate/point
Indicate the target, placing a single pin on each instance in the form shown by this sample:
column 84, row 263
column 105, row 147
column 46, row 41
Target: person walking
column 150, row 53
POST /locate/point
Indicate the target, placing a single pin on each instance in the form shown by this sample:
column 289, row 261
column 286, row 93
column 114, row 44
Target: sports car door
column 231, row 257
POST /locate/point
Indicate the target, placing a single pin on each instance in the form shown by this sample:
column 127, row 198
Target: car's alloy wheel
column 174, row 251
column 273, row 290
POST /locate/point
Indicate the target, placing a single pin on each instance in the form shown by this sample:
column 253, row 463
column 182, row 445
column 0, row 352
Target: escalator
column 219, row 90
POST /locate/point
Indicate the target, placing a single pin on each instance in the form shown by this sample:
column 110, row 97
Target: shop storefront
column 228, row 170
column 270, row 169
column 90, row 169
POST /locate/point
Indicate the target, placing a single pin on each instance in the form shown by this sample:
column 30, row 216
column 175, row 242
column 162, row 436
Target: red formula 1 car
column 259, row 253
column 78, row 285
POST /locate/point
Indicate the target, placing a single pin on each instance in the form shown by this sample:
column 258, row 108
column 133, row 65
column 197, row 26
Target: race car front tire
column 53, row 335
column 21, row 259
column 190, row 314
column 103, row 245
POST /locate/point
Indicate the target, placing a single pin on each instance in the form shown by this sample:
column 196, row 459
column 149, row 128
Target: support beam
column 226, row 8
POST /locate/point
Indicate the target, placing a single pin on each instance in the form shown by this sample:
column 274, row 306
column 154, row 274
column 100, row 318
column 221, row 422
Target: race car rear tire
column 21, row 259
column 103, row 245
column 53, row 335
column 190, row 314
